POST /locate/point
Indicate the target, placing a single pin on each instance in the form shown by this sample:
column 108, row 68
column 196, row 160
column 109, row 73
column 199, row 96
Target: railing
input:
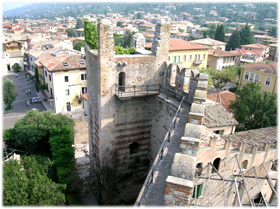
column 171, row 93
column 197, row 62
column 150, row 176
column 135, row 91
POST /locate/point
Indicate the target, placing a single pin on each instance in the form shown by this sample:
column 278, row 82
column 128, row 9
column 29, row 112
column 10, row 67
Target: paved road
column 20, row 107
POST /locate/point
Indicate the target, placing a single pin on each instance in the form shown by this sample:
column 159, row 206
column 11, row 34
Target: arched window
column 216, row 164
column 121, row 81
column 134, row 148
column 198, row 169
column 244, row 165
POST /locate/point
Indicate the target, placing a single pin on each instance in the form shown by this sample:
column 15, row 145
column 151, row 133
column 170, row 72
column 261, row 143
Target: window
column 267, row 81
column 222, row 132
column 204, row 56
column 79, row 101
column 50, row 77
column 195, row 57
column 199, row 57
column 178, row 59
column 185, row 58
column 216, row 165
column 257, row 77
column 251, row 76
column 46, row 73
column 83, row 77
column 244, row 165
column 51, row 90
column 168, row 58
column 84, row 90
column 190, row 58
column 67, row 92
column 174, row 59
column 66, row 79
column 134, row 148
column 199, row 191
column 246, row 76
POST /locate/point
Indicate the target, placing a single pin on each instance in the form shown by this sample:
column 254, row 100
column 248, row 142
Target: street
column 20, row 103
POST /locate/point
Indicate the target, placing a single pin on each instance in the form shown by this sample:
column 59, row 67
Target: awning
column 31, row 72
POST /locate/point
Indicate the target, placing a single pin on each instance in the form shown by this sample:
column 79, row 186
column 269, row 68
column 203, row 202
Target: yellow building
column 265, row 74
column 190, row 55
column 65, row 79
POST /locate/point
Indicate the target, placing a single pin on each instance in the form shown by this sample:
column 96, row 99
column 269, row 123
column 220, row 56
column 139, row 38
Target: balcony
column 128, row 92
column 197, row 62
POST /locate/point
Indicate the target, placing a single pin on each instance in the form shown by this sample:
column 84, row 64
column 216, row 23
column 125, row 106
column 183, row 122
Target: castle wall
column 164, row 112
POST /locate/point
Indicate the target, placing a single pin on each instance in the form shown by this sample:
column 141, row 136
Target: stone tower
column 120, row 129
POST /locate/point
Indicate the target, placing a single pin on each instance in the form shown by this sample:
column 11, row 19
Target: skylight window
column 65, row 64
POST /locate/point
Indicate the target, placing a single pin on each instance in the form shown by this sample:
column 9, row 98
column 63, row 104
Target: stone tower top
column 138, row 41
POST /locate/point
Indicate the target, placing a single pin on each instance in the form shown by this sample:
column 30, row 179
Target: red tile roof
column 179, row 44
column 243, row 51
column 256, row 46
column 222, row 53
column 270, row 68
column 57, row 62
column 84, row 96
column 222, row 98
column 215, row 115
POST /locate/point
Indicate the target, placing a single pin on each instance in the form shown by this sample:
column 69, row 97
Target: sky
column 13, row 5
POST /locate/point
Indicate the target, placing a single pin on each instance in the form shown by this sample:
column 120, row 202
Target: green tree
column 125, row 42
column 27, row 184
column 32, row 132
column 273, row 31
column 16, row 67
column 234, row 41
column 121, row 50
column 9, row 92
column 138, row 16
column 119, row 24
column 62, row 153
column 117, row 39
column 246, row 35
column 71, row 32
column 79, row 23
column 79, row 45
column 90, row 32
column 218, row 78
column 220, row 33
column 254, row 109
column 212, row 30
column 181, row 30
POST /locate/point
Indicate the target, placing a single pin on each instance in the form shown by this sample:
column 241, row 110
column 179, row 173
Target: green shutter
column 222, row 132
column 174, row 60
column 178, row 59
column 199, row 191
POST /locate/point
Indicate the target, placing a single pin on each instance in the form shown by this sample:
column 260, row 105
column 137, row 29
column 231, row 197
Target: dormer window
column 82, row 62
column 65, row 64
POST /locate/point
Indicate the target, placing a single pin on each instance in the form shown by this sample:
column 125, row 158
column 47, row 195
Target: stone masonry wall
column 164, row 112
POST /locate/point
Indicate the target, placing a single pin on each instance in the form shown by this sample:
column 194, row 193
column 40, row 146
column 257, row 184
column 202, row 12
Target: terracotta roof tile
column 223, row 98
column 84, row 96
column 208, row 41
column 222, row 53
column 179, row 44
column 216, row 115
column 256, row 46
column 270, row 68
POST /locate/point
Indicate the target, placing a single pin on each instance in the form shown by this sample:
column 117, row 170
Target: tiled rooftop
column 256, row 46
column 208, row 41
column 222, row 53
column 216, row 115
column 223, row 98
column 270, row 68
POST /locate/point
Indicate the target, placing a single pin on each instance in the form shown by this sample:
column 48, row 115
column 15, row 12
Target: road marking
column 14, row 116
column 26, row 87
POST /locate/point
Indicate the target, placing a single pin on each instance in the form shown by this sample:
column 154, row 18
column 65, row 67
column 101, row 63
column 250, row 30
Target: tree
column 71, row 32
column 246, row 35
column 117, row 39
column 119, row 24
column 220, row 33
column 90, row 32
column 121, row 50
column 273, row 31
column 16, row 67
column 181, row 30
column 254, row 109
column 138, row 16
column 79, row 45
column 9, row 92
column 62, row 152
column 31, row 133
column 234, row 41
column 218, row 78
column 27, row 184
column 79, row 23
column 125, row 42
